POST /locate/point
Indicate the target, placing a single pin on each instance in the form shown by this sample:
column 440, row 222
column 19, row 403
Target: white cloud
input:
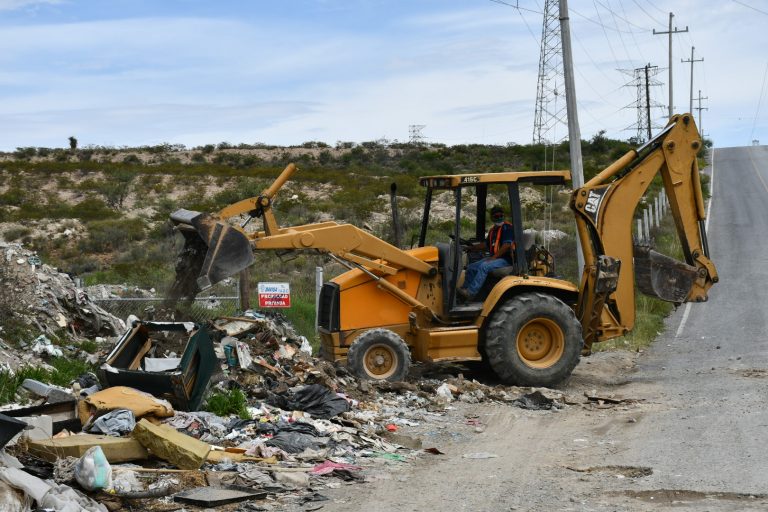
column 468, row 74
column 12, row 5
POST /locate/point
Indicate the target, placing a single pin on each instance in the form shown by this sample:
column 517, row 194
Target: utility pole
column 670, row 32
column 574, row 134
column 700, row 108
column 692, row 60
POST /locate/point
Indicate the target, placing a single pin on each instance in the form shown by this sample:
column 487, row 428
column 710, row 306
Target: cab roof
column 468, row 180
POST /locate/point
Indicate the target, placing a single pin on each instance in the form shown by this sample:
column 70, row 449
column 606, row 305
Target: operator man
column 500, row 244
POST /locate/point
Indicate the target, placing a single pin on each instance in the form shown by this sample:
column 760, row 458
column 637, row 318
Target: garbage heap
column 235, row 414
column 44, row 300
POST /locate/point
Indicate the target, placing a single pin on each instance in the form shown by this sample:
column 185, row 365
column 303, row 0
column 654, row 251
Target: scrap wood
column 217, row 456
column 280, row 469
column 610, row 399
column 274, row 369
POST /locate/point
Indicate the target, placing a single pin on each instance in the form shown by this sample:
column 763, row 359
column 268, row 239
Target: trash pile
column 235, row 413
column 46, row 300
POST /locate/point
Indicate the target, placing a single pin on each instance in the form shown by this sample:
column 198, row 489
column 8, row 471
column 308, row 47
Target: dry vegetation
column 102, row 213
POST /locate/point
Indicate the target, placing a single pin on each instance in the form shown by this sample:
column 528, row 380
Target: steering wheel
column 462, row 241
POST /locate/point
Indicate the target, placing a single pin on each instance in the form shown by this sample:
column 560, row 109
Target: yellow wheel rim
column 380, row 361
column 540, row 343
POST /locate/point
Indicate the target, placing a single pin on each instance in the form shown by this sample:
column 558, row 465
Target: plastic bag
column 314, row 399
column 444, row 393
column 92, row 471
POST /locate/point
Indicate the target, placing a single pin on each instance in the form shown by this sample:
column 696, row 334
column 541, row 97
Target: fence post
column 639, row 230
column 646, row 222
column 318, row 287
column 244, row 290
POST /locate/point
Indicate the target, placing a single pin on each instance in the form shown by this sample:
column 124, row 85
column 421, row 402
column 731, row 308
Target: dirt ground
column 502, row 458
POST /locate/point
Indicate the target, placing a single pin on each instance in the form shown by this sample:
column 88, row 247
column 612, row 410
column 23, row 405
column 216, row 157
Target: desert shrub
column 112, row 234
column 16, row 233
column 91, row 208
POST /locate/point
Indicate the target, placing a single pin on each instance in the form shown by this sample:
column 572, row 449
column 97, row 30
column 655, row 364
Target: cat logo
column 594, row 199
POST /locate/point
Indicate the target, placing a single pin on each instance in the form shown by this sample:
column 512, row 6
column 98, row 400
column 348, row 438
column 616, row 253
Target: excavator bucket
column 213, row 251
column 660, row 276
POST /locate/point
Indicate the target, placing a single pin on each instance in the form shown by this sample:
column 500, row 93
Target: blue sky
column 124, row 73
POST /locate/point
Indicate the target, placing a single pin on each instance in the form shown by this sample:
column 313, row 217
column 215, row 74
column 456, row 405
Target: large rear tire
column 379, row 354
column 533, row 339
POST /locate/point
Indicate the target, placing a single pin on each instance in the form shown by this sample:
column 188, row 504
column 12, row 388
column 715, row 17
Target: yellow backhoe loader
column 393, row 306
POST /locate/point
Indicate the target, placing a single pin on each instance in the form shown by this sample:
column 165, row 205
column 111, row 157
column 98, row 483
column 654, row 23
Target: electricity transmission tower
column 550, row 91
column 414, row 134
column 642, row 81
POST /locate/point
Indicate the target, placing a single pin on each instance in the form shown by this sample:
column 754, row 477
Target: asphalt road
column 714, row 368
column 695, row 435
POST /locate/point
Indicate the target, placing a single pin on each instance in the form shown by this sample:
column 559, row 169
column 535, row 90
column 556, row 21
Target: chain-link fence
column 199, row 310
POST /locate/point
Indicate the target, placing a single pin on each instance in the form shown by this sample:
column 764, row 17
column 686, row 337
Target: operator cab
column 455, row 232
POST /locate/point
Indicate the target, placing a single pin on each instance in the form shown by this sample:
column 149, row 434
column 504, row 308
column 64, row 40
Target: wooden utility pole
column 700, row 108
column 670, row 32
column 574, row 134
column 692, row 60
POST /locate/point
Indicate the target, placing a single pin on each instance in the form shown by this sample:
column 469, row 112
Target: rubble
column 47, row 300
column 285, row 425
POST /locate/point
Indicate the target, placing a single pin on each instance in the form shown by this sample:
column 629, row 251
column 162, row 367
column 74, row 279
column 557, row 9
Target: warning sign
column 274, row 295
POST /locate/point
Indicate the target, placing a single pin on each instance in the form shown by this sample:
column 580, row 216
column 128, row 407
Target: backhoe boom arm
column 605, row 208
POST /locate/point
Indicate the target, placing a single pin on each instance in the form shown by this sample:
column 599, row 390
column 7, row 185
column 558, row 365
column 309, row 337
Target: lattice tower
column 551, row 111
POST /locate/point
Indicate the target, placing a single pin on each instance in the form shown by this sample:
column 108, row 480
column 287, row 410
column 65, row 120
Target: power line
column 623, row 45
column 759, row 102
column 589, row 56
column 519, row 11
column 516, row 5
column 662, row 11
column 750, row 7
column 622, row 19
column 605, row 33
column 648, row 14
column 577, row 13
column 634, row 39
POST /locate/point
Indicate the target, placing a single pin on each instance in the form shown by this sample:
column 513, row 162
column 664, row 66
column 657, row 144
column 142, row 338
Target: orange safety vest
column 496, row 232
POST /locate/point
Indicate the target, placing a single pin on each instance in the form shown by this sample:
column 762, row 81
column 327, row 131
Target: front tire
column 379, row 354
column 533, row 339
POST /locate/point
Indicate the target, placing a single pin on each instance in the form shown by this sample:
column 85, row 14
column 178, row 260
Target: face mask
column 498, row 222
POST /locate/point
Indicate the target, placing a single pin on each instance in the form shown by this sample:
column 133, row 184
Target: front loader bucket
column 660, row 276
column 213, row 251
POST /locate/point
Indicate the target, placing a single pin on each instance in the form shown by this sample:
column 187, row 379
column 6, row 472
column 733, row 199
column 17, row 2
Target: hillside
column 102, row 213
